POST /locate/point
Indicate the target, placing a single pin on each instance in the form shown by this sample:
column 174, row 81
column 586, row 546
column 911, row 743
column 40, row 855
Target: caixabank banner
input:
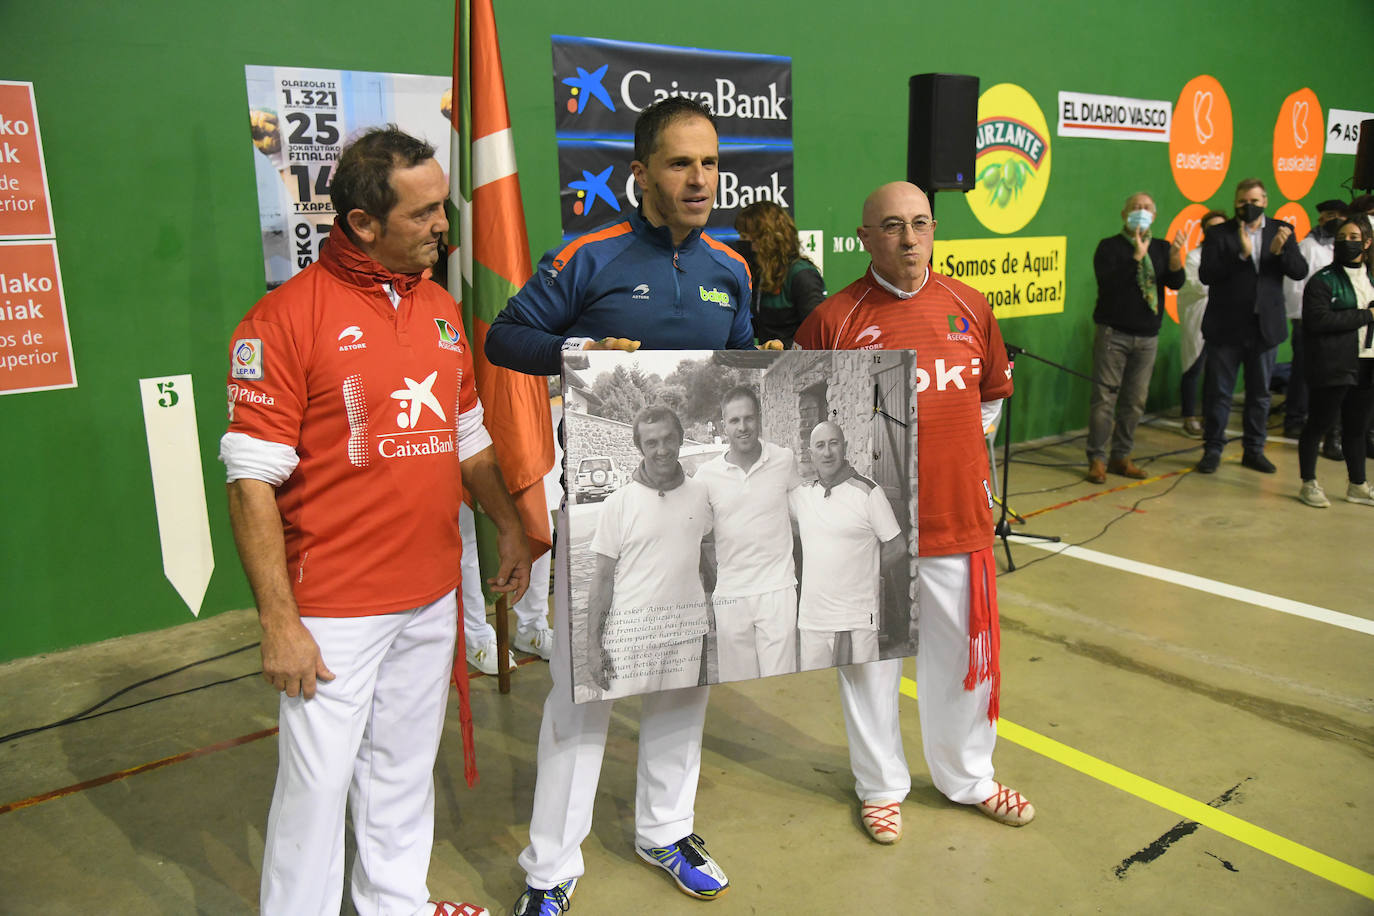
column 600, row 87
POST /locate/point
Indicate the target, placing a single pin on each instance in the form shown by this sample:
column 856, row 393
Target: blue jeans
column 1224, row 361
column 1123, row 361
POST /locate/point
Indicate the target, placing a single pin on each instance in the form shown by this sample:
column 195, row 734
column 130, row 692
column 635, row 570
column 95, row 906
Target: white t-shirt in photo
column 753, row 530
column 841, row 537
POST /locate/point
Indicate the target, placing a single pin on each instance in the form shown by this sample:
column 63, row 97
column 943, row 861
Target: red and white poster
column 35, row 345
column 24, row 208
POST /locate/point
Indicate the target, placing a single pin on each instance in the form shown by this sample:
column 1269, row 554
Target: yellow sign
column 1012, row 159
column 1020, row 276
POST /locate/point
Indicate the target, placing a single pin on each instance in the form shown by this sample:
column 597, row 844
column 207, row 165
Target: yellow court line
column 1319, row 864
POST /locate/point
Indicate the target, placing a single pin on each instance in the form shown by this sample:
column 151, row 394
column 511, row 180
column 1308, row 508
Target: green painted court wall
column 142, row 111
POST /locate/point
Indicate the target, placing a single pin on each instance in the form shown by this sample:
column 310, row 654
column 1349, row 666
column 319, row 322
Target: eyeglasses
column 894, row 227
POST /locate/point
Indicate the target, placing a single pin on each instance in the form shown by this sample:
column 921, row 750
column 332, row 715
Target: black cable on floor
column 1130, row 511
column 88, row 712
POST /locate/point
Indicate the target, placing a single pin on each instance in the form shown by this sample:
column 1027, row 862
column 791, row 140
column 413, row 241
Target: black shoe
column 1331, row 448
column 1208, row 463
column 1256, row 461
column 1293, row 430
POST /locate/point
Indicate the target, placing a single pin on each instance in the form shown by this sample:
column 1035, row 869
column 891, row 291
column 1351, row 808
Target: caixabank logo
column 1011, row 159
column 601, row 86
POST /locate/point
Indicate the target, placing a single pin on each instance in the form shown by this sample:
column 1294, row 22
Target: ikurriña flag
column 491, row 250
column 489, row 261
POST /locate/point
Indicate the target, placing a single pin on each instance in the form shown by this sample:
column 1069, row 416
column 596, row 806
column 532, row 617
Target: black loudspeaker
column 1364, row 158
column 941, row 131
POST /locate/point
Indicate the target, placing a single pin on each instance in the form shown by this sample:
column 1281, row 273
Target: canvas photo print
column 737, row 514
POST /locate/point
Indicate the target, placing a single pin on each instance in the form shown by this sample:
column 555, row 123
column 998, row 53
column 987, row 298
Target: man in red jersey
column 962, row 376
column 354, row 426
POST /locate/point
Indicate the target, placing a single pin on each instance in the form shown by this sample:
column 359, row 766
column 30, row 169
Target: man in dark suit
column 1244, row 261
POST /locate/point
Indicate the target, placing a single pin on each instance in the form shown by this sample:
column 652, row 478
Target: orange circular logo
column 1298, row 142
column 1295, row 216
column 1188, row 222
column 1200, row 138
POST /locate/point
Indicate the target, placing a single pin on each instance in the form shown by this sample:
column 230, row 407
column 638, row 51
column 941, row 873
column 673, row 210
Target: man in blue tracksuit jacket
column 654, row 280
column 626, row 280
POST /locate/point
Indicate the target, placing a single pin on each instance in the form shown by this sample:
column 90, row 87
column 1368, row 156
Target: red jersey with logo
column 368, row 394
column 960, row 362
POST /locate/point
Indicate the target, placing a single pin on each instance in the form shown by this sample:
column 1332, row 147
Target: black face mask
column 1248, row 213
column 1347, row 251
column 1326, row 230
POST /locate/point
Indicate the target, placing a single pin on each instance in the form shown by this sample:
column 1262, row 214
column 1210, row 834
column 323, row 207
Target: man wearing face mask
column 1316, row 251
column 1132, row 269
column 1244, row 261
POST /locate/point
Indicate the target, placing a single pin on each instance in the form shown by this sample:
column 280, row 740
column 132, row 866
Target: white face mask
column 1139, row 219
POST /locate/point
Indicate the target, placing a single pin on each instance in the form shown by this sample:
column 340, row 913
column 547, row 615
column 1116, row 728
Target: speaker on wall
column 941, row 131
column 1364, row 157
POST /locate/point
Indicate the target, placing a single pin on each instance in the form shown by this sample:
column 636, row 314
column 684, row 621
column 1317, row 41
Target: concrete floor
column 1219, row 698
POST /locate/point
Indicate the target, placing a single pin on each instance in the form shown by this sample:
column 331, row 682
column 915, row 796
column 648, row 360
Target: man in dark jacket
column 1132, row 270
column 1244, row 261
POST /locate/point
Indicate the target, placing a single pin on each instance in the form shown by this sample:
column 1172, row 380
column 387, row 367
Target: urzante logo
column 640, row 292
column 720, row 298
column 590, row 187
column 448, row 336
column 246, row 360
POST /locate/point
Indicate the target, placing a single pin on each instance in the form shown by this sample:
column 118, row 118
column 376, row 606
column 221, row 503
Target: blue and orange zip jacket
column 628, row 280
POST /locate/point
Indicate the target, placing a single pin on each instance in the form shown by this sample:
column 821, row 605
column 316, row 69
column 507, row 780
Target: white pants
column 531, row 611
column 818, row 647
column 572, row 741
column 957, row 737
column 756, row 635
column 367, row 739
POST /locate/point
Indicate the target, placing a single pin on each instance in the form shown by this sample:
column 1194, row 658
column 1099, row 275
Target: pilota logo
column 1012, row 159
column 1296, row 159
column 1200, row 138
column 587, row 86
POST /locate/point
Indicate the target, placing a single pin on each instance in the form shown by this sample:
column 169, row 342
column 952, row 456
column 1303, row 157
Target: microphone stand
column 1003, row 527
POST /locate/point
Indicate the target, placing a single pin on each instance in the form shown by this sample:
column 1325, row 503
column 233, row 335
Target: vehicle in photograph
column 694, row 456
column 597, row 477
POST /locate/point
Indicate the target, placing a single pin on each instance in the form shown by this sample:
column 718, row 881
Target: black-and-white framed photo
column 737, row 514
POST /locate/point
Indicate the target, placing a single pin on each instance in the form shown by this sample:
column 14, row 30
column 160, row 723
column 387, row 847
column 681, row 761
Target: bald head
column 827, row 449
column 900, row 251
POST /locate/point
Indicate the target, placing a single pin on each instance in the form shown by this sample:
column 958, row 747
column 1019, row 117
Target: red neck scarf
column 345, row 260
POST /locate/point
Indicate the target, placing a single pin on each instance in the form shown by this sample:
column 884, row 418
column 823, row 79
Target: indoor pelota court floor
column 1188, row 699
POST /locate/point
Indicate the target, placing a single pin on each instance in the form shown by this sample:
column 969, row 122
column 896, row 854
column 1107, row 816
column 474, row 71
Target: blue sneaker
column 695, row 872
column 538, row 902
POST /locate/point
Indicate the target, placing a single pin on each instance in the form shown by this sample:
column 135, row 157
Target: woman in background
column 1192, row 303
column 786, row 285
column 1338, row 341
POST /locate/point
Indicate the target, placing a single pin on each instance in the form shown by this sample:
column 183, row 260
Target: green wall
column 142, row 110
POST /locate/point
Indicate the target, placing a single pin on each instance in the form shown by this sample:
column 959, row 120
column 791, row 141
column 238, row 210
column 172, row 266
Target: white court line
column 1211, row 586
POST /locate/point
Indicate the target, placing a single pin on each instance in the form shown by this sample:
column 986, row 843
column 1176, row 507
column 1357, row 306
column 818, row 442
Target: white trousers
column 572, row 741
column 756, row 635
column 818, row 647
column 957, row 737
column 531, row 611
column 368, row 740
